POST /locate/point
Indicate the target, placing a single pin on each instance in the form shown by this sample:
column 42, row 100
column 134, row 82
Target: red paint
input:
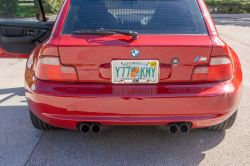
column 50, row 46
column 58, row 26
column 219, row 46
column 207, row 18
column 87, row 53
column 235, row 59
column 203, row 104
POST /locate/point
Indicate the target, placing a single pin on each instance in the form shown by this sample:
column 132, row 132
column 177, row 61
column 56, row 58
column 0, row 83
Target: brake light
column 50, row 69
column 219, row 69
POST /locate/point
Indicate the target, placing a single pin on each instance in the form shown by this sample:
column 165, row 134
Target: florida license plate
column 135, row 71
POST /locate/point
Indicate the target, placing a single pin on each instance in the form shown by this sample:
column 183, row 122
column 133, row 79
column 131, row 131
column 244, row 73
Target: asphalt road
column 22, row 144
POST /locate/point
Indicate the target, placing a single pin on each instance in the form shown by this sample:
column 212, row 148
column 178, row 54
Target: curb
column 230, row 15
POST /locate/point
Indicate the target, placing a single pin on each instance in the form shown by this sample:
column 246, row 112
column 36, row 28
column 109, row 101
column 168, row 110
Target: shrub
column 228, row 6
column 56, row 3
column 9, row 7
column 52, row 6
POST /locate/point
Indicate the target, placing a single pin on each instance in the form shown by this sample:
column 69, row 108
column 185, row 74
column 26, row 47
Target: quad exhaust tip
column 85, row 128
column 173, row 128
column 184, row 128
column 96, row 128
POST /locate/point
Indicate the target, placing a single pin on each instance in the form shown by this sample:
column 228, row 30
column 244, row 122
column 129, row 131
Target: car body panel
column 88, row 52
column 207, row 18
column 58, row 26
column 204, row 104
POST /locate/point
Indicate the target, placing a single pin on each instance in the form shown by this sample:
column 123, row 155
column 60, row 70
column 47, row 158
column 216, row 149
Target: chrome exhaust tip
column 84, row 128
column 173, row 128
column 96, row 128
column 184, row 128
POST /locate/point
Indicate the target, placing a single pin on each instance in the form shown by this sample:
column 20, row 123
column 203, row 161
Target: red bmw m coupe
column 126, row 62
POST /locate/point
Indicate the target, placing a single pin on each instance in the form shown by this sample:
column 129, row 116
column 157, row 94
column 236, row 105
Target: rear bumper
column 64, row 105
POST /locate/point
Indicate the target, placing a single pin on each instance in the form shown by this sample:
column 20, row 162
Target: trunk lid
column 92, row 54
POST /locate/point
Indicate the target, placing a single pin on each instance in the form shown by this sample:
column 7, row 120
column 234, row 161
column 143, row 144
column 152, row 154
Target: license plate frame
column 147, row 63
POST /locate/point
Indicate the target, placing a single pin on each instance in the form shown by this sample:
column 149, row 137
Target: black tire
column 224, row 125
column 39, row 124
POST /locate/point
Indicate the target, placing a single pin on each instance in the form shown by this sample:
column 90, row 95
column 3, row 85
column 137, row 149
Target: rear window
column 142, row 16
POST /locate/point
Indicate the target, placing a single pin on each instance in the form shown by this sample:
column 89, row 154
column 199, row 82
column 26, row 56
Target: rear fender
column 49, row 48
column 219, row 46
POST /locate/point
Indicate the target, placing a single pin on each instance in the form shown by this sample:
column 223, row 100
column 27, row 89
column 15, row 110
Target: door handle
column 30, row 33
column 32, row 38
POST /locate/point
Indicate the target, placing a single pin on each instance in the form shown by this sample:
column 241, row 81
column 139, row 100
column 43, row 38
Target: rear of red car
column 133, row 63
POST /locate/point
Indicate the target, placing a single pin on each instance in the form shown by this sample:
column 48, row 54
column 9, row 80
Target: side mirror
column 39, row 17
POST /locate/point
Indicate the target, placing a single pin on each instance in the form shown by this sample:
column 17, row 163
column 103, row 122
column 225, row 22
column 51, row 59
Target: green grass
column 26, row 3
column 27, row 11
column 24, row 11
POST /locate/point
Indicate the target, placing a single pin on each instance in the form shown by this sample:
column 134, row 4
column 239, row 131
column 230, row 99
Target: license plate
column 135, row 71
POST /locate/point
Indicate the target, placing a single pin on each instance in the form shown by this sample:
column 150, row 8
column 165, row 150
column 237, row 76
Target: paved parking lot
column 22, row 144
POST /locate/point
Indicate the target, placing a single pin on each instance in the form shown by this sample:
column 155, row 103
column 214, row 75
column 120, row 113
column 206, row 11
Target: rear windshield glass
column 142, row 16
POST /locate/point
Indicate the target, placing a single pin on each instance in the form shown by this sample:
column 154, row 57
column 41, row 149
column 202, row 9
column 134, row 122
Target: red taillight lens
column 50, row 69
column 219, row 69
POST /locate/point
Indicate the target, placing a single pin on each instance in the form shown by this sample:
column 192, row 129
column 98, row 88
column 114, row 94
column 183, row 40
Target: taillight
column 219, row 69
column 50, row 69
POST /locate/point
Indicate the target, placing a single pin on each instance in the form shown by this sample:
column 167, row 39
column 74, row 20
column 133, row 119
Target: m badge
column 200, row 59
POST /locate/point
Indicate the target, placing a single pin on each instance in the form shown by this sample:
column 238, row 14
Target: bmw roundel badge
column 135, row 53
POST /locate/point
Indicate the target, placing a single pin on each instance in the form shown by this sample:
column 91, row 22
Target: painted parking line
column 12, row 99
column 14, row 105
